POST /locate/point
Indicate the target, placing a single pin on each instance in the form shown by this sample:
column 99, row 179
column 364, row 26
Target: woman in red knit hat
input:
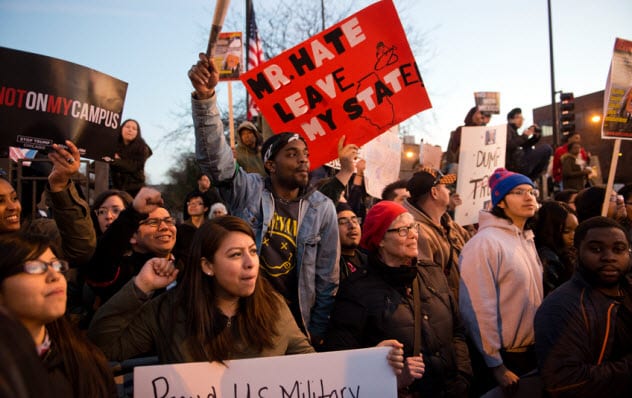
column 395, row 297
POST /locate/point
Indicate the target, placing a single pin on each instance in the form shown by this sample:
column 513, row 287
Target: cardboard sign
column 45, row 100
column 482, row 151
column 617, row 106
column 342, row 374
column 488, row 101
column 358, row 78
column 229, row 55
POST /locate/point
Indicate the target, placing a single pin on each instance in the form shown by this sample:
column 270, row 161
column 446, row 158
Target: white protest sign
column 430, row 156
column 383, row 156
column 482, row 151
column 341, row 374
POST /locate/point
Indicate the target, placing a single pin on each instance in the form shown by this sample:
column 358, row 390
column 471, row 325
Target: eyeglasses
column 155, row 222
column 37, row 267
column 103, row 211
column 404, row 231
column 522, row 192
column 348, row 221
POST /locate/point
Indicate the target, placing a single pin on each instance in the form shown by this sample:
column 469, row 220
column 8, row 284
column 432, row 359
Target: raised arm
column 70, row 212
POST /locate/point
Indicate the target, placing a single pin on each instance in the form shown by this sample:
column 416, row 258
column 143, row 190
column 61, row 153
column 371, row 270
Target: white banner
column 383, row 156
column 341, row 374
column 482, row 151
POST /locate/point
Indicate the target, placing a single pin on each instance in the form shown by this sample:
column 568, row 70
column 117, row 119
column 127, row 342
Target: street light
column 595, row 118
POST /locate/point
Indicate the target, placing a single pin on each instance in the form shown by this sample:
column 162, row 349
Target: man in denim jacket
column 296, row 228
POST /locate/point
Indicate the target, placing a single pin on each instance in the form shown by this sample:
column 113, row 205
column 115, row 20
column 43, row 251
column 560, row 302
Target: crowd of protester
column 265, row 262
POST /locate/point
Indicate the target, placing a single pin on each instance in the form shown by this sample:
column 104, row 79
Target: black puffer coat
column 376, row 303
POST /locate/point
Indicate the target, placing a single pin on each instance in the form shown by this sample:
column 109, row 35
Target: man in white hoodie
column 501, row 283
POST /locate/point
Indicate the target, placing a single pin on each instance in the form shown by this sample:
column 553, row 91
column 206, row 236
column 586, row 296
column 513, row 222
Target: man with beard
column 351, row 259
column 584, row 328
column 440, row 238
column 295, row 226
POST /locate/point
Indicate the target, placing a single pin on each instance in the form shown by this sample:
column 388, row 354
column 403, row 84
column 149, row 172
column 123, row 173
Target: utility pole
column 556, row 132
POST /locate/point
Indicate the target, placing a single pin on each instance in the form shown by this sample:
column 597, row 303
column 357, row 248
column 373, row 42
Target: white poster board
column 341, row 374
column 430, row 156
column 383, row 156
column 482, row 151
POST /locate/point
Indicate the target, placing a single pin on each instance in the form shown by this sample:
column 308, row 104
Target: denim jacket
column 248, row 197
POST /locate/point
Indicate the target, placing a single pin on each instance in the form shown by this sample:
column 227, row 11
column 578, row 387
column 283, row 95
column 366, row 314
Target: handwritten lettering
column 160, row 387
column 307, row 389
column 481, row 187
column 489, row 160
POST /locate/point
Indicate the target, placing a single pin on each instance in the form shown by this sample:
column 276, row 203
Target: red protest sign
column 357, row 78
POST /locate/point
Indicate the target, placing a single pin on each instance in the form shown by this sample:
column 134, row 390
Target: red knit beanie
column 377, row 221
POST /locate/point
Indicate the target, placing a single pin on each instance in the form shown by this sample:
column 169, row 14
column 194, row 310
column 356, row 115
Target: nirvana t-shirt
column 278, row 253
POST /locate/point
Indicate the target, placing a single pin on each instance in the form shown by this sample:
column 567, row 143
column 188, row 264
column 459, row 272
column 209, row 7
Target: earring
column 209, row 273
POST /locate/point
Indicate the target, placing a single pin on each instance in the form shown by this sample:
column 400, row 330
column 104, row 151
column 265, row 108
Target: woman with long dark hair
column 33, row 291
column 127, row 166
column 222, row 308
column 554, row 230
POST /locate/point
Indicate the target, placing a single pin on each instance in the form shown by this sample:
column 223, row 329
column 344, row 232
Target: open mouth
column 164, row 238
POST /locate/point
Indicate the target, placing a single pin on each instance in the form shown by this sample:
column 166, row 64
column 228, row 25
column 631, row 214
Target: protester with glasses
column 351, row 259
column 501, row 284
column 106, row 208
column 33, row 291
column 395, row 297
column 142, row 231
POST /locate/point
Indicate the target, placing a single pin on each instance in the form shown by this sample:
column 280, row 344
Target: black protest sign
column 45, row 100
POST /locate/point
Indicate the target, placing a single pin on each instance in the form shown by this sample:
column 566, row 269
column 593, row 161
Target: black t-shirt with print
column 278, row 253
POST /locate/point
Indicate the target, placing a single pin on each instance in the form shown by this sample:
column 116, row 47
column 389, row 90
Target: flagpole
column 247, row 49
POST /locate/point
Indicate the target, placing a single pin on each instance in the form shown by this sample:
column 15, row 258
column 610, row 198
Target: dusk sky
column 486, row 45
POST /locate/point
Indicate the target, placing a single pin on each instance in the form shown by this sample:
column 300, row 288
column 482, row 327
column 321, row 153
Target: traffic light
column 567, row 114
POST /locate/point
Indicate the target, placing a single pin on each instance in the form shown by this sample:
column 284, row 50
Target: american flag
column 254, row 55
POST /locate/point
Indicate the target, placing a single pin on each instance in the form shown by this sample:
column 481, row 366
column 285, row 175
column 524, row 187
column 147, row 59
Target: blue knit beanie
column 502, row 181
